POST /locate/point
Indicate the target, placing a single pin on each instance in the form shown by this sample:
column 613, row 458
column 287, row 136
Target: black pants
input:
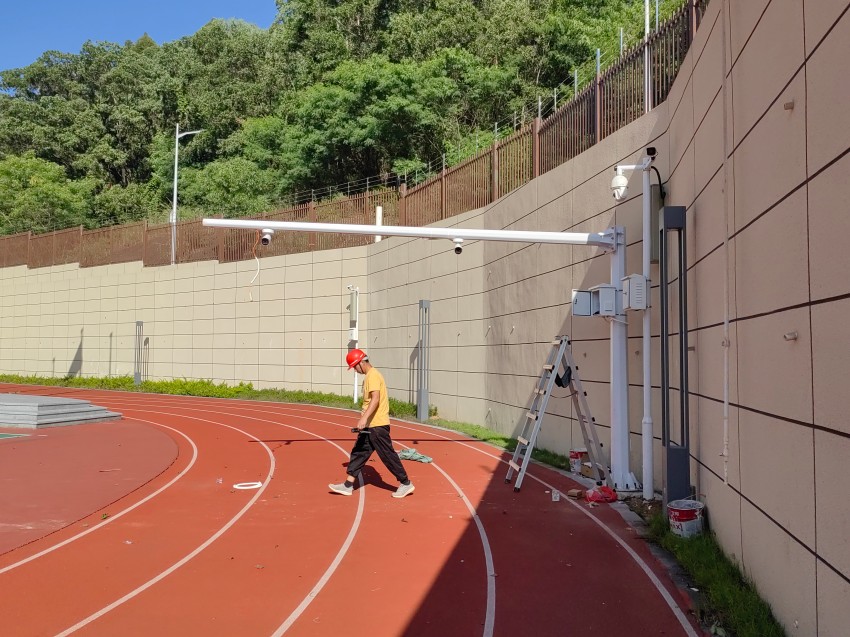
column 376, row 439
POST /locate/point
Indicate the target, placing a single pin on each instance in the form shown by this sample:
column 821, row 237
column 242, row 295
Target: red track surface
column 136, row 529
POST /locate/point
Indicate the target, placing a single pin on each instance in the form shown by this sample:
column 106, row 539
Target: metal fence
column 617, row 97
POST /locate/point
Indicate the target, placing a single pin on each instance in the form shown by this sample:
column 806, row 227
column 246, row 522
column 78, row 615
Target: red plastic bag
column 601, row 494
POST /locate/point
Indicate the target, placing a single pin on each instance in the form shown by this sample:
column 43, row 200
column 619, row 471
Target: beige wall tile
column 833, row 510
column 828, row 196
column 826, row 93
column 772, row 55
column 773, row 558
column 771, row 259
column 777, row 472
column 833, row 609
column 765, row 360
column 771, row 161
column 830, row 344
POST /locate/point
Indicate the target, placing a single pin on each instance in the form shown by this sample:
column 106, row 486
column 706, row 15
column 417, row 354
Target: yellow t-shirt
column 375, row 382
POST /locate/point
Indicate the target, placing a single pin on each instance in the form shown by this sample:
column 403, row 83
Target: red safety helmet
column 355, row 357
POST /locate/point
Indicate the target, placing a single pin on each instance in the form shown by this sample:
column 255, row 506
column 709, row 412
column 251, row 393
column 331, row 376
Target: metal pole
column 575, row 83
column 177, row 136
column 646, row 423
column 656, row 15
column 621, row 41
column 174, row 196
column 599, row 239
column 379, row 220
column 137, row 362
column 422, row 402
column 623, row 478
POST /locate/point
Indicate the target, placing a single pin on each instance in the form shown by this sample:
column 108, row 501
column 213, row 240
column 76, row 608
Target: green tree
column 38, row 197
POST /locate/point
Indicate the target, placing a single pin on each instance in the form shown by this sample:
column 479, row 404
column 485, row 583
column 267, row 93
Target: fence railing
column 617, row 97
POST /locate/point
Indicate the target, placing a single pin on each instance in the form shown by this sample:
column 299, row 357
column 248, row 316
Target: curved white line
column 118, row 515
column 490, row 611
column 355, row 526
column 103, row 611
column 677, row 611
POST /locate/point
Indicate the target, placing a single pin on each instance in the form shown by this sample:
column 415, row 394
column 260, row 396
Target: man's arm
column 374, row 399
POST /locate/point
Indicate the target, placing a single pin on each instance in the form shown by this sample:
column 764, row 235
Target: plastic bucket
column 685, row 517
column 576, row 458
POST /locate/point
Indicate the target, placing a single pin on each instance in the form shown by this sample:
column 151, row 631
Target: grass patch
column 207, row 389
column 733, row 605
column 500, row 440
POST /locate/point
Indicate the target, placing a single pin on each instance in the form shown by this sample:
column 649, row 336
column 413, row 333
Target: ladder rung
column 513, row 465
column 539, row 391
column 531, row 415
column 557, row 342
column 522, row 440
column 548, row 368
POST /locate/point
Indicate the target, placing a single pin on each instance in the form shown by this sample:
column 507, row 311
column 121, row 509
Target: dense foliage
column 335, row 90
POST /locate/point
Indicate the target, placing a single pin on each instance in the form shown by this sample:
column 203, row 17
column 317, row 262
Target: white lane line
column 355, row 526
column 677, row 611
column 490, row 612
column 118, row 515
column 106, row 609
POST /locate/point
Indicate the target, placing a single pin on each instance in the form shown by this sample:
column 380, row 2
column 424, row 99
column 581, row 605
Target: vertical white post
column 623, row 478
column 174, row 196
column 354, row 325
column 379, row 220
column 646, row 423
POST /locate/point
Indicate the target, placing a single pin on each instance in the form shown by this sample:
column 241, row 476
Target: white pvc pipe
column 379, row 220
column 646, row 423
column 598, row 239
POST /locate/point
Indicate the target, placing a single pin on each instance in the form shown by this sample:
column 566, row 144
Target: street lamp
column 177, row 136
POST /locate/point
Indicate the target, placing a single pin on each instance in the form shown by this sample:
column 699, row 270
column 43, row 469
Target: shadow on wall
column 77, row 362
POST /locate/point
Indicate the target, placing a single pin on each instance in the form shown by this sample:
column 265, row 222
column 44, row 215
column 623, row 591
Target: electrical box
column 635, row 295
column 581, row 303
column 605, row 301
column 600, row 300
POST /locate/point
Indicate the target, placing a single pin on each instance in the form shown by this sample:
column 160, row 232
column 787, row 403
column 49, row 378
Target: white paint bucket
column 685, row 517
column 577, row 456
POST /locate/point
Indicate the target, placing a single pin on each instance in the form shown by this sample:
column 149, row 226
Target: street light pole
column 173, row 220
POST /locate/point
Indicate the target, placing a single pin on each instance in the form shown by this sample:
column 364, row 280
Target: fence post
column 145, row 243
column 402, row 204
column 220, row 236
column 80, row 251
column 535, row 147
column 311, row 212
column 29, row 246
column 597, row 89
column 494, row 171
column 443, row 189
column 692, row 21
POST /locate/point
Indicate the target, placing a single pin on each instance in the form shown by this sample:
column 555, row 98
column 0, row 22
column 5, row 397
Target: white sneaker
column 403, row 490
column 343, row 488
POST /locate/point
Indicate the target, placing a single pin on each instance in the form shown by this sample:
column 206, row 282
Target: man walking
column 374, row 429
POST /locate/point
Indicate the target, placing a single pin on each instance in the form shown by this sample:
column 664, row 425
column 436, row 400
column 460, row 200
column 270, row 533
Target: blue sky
column 31, row 27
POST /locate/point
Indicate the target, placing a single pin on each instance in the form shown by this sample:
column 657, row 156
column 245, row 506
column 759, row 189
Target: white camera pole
column 612, row 240
column 646, row 423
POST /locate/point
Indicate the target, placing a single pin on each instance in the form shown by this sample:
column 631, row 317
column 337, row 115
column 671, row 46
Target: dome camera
column 458, row 245
column 266, row 239
column 619, row 187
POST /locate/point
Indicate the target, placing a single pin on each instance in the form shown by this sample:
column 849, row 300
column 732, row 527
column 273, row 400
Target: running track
column 134, row 528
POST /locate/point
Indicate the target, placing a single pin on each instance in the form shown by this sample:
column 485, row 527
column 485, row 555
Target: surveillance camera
column 458, row 245
column 619, row 187
column 651, row 152
column 267, row 237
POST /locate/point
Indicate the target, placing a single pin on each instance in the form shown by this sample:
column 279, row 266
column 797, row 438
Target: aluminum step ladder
column 560, row 357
